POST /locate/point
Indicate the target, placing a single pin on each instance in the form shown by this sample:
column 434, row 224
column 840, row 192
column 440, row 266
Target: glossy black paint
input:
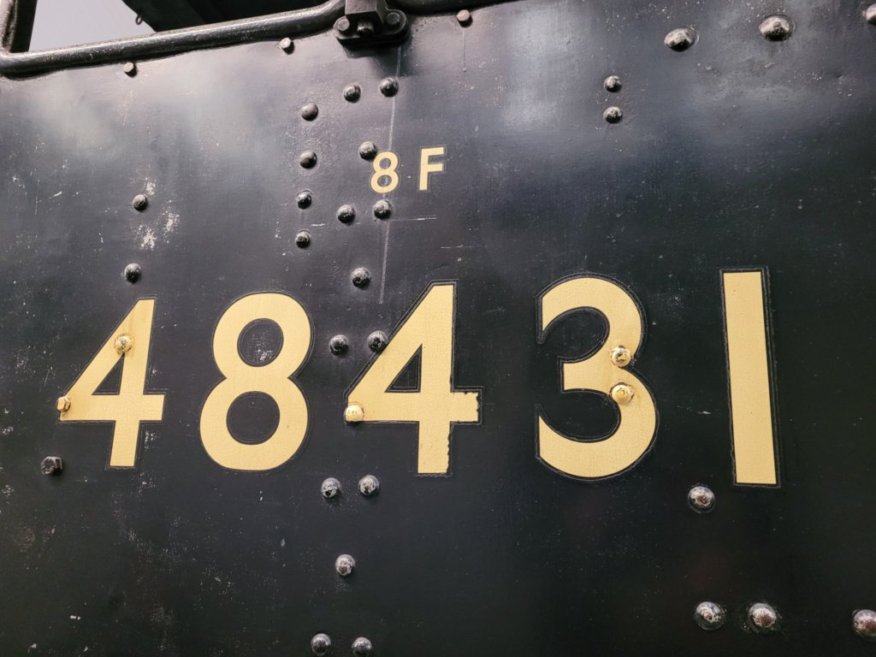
column 738, row 152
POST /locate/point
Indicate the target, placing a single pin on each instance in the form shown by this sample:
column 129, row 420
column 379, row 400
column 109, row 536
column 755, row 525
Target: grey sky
column 68, row 22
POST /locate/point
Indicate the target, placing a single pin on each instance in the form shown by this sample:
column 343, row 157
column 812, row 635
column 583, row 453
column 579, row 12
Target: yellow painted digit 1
column 271, row 379
column 604, row 372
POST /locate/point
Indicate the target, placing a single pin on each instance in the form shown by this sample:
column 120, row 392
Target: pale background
column 61, row 23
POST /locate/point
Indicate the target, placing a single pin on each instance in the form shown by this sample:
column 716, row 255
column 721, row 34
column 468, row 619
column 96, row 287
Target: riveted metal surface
column 739, row 152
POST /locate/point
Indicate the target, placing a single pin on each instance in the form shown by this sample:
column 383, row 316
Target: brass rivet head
column 622, row 393
column 701, row 498
column 621, row 356
column 864, row 620
column 344, row 565
column 63, row 404
column 353, row 414
column 320, row 644
column 776, row 28
column 709, row 616
column 123, row 344
column 870, row 14
column 681, row 39
column 763, row 618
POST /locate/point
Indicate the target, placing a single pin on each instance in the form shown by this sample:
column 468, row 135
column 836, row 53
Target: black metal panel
column 738, row 152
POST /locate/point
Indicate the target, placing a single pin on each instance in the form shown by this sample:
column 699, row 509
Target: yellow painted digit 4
column 131, row 405
column 435, row 406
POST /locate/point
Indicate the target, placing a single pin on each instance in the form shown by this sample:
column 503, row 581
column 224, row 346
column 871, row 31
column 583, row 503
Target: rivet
column 621, row 356
column 763, row 618
column 307, row 159
column 302, row 239
column 369, row 485
column 709, row 616
column 612, row 83
column 389, row 86
column 362, row 647
column 304, row 199
column 140, row 202
column 368, row 150
column 339, row 344
column 621, row 393
column 354, row 414
column 330, row 488
column 346, row 214
column 52, row 465
column 123, row 344
column 286, row 45
column 132, row 272
column 681, row 39
column 864, row 621
column 463, row 17
column 130, row 69
column 344, row 565
column 361, row 277
column 352, row 92
column 776, row 28
column 63, row 404
column 320, row 644
column 393, row 19
column 309, row 112
column 870, row 14
column 377, row 341
column 382, row 209
column 613, row 114
column 701, row 498
column 343, row 25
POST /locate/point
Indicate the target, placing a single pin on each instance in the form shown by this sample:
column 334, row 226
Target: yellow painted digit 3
column 271, row 379
column 605, row 372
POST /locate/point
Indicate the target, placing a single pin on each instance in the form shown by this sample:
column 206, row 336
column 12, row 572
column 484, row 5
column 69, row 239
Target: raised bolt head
column 346, row 214
column 701, row 498
column 320, row 644
column 344, row 565
column 613, row 114
column 382, row 209
column 304, row 199
column 307, row 159
column 123, row 344
column 354, row 414
column 132, row 272
column 776, row 28
column 612, row 83
column 286, row 44
column 302, row 239
column 393, row 19
column 362, row 647
column 389, row 86
column 763, row 618
column 864, row 623
column 368, row 150
column 377, row 341
column 709, row 616
column 621, row 393
column 338, row 345
column 140, row 202
column 870, row 14
column 63, row 404
column 343, row 25
column 463, row 17
column 621, row 356
column 330, row 488
column 130, row 69
column 352, row 92
column 681, row 39
column 309, row 112
column 369, row 485
column 52, row 465
column 361, row 277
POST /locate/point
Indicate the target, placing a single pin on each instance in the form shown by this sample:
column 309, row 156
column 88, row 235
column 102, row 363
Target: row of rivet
column 321, row 643
column 763, row 618
column 376, row 341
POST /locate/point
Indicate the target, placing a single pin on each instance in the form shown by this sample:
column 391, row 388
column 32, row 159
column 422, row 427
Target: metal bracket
column 370, row 23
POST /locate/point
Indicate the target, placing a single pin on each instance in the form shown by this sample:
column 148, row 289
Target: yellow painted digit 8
column 605, row 372
column 271, row 379
column 388, row 172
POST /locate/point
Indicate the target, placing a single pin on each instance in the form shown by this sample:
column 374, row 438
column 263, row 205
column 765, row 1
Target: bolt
column 132, row 272
column 622, row 393
column 52, row 465
column 377, row 341
column 361, row 277
column 701, row 498
column 369, row 485
column 382, row 209
column 354, row 414
column 130, row 69
column 63, row 404
column 343, row 25
column 389, row 86
column 463, row 17
column 763, row 618
column 344, row 565
column 320, row 644
column 681, row 39
column 362, row 647
column 309, row 112
column 330, row 488
column 621, row 356
column 140, row 202
column 709, row 616
column 123, row 344
column 302, row 239
column 352, row 92
column 338, row 345
column 870, row 14
column 613, row 114
column 864, row 623
column 368, row 150
column 307, row 159
column 365, row 28
column 304, row 199
column 612, row 83
column 776, row 28
column 393, row 19
column 346, row 214
column 286, row 45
